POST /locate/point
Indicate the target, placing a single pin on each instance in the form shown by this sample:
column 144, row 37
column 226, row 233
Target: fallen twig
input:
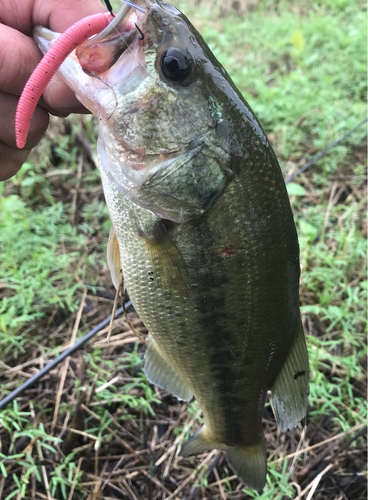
column 66, row 364
column 121, row 441
column 319, row 458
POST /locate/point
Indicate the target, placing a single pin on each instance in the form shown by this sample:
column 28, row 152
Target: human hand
column 19, row 55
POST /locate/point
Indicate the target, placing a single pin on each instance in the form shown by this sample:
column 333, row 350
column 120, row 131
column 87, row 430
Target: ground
column 94, row 427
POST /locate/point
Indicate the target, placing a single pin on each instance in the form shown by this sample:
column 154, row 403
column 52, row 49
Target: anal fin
column 200, row 442
column 291, row 388
column 160, row 372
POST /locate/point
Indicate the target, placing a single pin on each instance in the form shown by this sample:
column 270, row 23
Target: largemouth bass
column 202, row 229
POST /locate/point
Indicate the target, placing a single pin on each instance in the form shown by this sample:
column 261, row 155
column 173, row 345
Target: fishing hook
column 124, row 9
column 140, row 32
column 136, row 7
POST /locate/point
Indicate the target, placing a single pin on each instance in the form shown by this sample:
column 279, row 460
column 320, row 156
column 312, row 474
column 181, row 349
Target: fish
column 202, row 229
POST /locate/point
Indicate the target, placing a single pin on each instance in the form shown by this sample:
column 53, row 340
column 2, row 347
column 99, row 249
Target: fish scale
column 216, row 308
column 203, row 231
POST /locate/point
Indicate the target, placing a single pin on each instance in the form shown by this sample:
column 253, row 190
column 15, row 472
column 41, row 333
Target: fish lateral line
column 49, row 64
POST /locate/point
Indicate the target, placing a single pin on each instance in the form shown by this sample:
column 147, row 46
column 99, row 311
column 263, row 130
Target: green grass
column 39, row 251
column 303, row 74
column 302, row 68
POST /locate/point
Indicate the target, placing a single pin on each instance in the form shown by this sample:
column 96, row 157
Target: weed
column 302, row 68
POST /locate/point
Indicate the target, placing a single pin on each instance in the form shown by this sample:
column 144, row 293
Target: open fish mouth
column 97, row 55
column 98, row 68
column 115, row 63
column 139, row 76
column 100, row 53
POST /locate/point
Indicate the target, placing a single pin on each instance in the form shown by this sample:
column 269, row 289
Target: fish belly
column 226, row 319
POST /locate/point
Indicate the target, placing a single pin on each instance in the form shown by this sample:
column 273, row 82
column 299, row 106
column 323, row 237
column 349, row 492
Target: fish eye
column 176, row 64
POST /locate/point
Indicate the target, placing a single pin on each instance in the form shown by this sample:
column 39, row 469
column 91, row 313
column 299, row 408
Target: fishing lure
column 98, row 24
column 49, row 64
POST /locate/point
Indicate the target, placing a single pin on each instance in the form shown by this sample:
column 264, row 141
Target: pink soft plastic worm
column 49, row 64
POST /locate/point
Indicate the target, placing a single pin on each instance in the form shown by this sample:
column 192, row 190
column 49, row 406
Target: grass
column 302, row 68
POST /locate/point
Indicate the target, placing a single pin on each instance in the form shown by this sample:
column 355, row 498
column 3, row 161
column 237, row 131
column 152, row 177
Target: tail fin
column 248, row 462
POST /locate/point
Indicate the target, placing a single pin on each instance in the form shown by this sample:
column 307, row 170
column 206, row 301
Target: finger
column 58, row 16
column 19, row 56
column 59, row 97
column 53, row 14
column 59, row 100
column 11, row 159
column 38, row 126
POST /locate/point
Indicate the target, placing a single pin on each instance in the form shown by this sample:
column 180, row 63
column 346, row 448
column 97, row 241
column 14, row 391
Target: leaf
column 295, row 189
column 308, row 230
column 297, row 40
column 48, row 447
column 3, row 470
column 28, row 181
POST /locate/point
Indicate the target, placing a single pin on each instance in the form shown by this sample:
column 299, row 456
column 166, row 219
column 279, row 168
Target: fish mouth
column 97, row 55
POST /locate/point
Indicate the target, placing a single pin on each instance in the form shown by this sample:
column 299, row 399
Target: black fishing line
column 109, row 7
column 30, row 382
column 325, row 151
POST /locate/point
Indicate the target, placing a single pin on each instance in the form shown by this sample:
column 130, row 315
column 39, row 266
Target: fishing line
column 109, row 7
column 136, row 7
column 139, row 31
column 31, row 381
column 123, row 11
column 325, row 151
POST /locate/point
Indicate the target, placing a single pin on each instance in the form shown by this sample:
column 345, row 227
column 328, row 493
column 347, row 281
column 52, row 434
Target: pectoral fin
column 160, row 372
column 291, row 388
column 113, row 257
column 171, row 276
